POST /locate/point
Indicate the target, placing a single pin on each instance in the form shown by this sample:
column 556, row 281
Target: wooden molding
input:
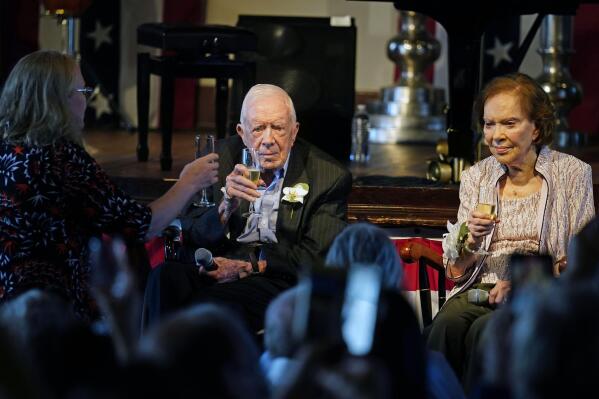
column 403, row 206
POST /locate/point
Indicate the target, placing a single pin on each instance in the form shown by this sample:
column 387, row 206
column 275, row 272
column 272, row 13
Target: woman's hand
column 480, row 225
column 196, row 175
column 499, row 293
column 560, row 266
column 201, row 173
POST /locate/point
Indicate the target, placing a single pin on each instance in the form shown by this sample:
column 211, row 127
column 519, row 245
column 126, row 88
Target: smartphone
column 530, row 269
column 360, row 307
column 317, row 311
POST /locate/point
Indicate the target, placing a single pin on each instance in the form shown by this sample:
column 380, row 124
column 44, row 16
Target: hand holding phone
column 360, row 308
column 530, row 269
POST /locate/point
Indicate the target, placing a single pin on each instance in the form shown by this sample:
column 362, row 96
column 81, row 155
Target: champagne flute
column 489, row 210
column 251, row 159
column 203, row 147
column 485, row 201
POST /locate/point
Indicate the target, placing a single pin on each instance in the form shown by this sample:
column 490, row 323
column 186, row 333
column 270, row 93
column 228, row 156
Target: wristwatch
column 254, row 262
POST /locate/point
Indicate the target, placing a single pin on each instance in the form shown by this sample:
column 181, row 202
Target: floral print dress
column 53, row 199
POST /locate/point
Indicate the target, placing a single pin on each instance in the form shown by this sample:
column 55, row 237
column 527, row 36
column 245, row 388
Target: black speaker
column 314, row 60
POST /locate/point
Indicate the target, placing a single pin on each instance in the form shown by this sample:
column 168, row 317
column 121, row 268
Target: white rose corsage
column 295, row 194
column 454, row 240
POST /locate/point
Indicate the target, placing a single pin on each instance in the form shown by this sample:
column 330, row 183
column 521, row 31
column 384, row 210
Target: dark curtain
column 19, row 23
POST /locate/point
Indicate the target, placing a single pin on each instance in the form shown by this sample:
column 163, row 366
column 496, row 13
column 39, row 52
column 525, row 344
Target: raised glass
column 251, row 159
column 204, row 145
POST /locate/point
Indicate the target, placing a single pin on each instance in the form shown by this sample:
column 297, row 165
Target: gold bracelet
column 452, row 277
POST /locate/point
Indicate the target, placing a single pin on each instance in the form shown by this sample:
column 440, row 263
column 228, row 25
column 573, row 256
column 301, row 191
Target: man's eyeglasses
column 88, row 92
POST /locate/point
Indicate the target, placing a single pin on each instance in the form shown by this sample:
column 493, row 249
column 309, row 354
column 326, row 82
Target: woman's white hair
column 265, row 90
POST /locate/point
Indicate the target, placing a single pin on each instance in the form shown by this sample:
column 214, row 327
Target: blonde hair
column 34, row 102
column 263, row 89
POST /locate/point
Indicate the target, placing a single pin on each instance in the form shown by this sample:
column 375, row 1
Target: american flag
column 108, row 50
column 99, row 45
column 498, row 54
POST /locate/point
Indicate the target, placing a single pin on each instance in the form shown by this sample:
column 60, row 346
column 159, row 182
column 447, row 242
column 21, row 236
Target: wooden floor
column 115, row 151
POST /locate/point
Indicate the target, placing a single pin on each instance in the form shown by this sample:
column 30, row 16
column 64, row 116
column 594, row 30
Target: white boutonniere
column 295, row 194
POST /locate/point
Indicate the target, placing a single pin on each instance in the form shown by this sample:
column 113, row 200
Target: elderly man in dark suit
column 299, row 209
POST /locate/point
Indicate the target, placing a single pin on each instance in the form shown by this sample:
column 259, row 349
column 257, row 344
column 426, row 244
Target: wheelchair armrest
column 414, row 251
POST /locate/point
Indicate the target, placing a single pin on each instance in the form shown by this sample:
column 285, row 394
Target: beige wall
column 375, row 21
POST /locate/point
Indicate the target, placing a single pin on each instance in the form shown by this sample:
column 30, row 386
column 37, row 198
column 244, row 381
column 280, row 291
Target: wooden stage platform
column 391, row 191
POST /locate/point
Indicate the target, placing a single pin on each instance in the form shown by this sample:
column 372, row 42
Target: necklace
column 520, row 191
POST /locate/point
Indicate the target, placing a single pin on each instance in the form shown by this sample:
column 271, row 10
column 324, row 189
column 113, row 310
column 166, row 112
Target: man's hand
column 239, row 186
column 499, row 293
column 232, row 269
column 228, row 269
column 261, row 269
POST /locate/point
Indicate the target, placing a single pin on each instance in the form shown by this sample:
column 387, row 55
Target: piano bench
column 190, row 51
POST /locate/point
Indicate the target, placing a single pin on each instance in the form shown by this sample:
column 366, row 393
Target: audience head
column 533, row 101
column 62, row 353
column 327, row 371
column 16, row 380
column 497, row 341
column 279, row 338
column 40, row 103
column 206, row 349
column 556, row 343
column 583, row 254
column 268, row 124
column 366, row 243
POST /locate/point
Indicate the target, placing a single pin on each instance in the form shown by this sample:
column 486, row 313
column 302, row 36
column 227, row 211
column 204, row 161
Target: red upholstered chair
column 424, row 281
column 155, row 249
column 165, row 246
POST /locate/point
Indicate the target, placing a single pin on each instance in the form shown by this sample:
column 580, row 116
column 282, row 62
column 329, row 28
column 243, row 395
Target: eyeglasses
column 88, row 92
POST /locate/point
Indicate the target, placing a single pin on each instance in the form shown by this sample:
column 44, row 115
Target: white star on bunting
column 100, row 35
column 100, row 105
column 500, row 52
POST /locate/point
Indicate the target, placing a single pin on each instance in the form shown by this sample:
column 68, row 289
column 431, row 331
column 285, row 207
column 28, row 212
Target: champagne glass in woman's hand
column 204, row 146
column 489, row 211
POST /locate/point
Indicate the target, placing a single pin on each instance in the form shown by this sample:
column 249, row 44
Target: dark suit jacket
column 304, row 235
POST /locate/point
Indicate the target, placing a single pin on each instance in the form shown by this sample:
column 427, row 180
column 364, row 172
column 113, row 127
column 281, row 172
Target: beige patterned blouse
column 565, row 205
column 516, row 233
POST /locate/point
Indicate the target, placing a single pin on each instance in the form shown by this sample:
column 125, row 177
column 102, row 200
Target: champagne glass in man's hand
column 204, row 146
column 251, row 159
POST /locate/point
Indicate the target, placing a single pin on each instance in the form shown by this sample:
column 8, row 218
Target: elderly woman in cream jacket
column 541, row 197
